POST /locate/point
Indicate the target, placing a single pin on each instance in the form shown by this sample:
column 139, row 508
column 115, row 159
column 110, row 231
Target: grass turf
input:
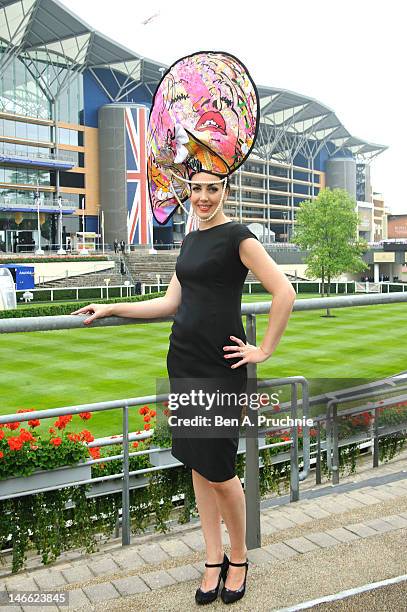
column 68, row 367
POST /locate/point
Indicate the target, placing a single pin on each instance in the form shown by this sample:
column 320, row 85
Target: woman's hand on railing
column 96, row 311
column 248, row 352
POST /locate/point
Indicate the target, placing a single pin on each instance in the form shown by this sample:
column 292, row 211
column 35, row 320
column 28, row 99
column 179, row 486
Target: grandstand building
column 73, row 112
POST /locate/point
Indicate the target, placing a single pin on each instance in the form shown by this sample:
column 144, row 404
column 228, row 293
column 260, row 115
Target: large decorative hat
column 204, row 117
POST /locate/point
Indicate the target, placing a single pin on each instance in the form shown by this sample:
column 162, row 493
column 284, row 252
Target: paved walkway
column 332, row 539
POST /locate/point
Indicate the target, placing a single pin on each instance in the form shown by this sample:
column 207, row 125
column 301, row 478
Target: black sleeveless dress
column 211, row 275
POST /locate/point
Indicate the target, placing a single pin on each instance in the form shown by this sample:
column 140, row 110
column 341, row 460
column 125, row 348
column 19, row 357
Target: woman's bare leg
column 230, row 500
column 210, row 516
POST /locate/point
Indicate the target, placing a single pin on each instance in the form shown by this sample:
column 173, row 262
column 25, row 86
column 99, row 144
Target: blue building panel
column 23, row 276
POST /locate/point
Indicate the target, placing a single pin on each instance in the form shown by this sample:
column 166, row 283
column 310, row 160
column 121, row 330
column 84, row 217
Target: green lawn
column 60, row 368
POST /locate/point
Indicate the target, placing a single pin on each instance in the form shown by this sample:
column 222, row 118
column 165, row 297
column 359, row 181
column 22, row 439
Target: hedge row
column 55, row 309
column 53, row 259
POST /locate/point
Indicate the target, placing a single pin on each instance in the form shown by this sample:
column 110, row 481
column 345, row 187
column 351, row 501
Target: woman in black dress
column 202, row 126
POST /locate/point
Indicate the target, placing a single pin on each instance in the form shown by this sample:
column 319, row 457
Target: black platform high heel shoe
column 205, row 597
column 229, row 595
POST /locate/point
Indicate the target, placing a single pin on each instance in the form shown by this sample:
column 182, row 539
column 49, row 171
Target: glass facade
column 20, row 91
column 25, row 130
column 24, row 176
column 24, row 150
column 68, row 137
column 23, row 85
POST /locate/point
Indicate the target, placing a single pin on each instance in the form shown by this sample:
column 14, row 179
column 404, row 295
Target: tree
column 327, row 227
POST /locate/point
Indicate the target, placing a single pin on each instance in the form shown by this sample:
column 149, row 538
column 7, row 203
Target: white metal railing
column 35, row 155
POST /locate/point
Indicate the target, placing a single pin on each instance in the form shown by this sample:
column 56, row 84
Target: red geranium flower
column 144, row 410
column 34, row 422
column 63, row 421
column 73, row 437
column 2, row 434
column 147, row 426
column 147, row 418
column 15, row 443
column 86, row 436
column 85, row 416
column 1, row 455
column 26, row 436
column 152, row 413
column 12, row 426
column 56, row 441
column 167, row 412
column 135, row 444
column 51, row 430
column 95, row 452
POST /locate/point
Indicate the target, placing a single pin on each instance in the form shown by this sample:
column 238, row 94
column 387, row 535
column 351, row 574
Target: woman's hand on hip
column 96, row 311
column 247, row 352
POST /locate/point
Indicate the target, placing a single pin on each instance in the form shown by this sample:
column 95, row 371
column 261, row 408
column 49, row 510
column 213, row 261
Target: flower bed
column 59, row 520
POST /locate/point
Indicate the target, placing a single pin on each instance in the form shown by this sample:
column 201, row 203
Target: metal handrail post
column 294, row 472
column 252, row 471
column 126, row 483
column 318, row 458
column 335, row 447
column 306, row 444
column 376, row 439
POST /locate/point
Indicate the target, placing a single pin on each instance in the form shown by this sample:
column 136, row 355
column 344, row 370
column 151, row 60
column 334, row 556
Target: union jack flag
column 139, row 215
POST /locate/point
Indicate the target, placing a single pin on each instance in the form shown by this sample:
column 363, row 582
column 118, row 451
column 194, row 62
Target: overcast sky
column 349, row 55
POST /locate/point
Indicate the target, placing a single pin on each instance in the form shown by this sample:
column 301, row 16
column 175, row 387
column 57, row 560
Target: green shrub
column 55, row 309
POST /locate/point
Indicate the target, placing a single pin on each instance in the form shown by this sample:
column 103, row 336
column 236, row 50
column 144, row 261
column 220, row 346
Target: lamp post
column 84, row 250
column 61, row 250
column 285, row 218
column 39, row 251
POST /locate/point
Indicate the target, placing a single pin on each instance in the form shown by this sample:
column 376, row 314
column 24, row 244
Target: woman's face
column 206, row 197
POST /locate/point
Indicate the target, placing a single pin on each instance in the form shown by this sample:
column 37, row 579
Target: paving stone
column 76, row 599
column 12, row 609
column 281, row 522
column 365, row 499
column 152, row 553
column 39, row 608
column 280, row 551
column 194, row 540
column 365, row 491
column 104, row 566
column 297, row 516
column 77, row 574
column 199, row 566
column 128, row 559
column 266, row 527
column 395, row 489
column 350, row 503
column 130, row 585
column 380, row 525
column 381, row 494
column 334, row 507
column 48, row 579
column 158, row 580
column 361, row 530
column 395, row 519
column 184, row 573
column 259, row 556
column 341, row 534
column 403, row 514
column 101, row 592
column 315, row 511
column 175, row 548
column 322, row 539
column 20, row 583
column 302, row 545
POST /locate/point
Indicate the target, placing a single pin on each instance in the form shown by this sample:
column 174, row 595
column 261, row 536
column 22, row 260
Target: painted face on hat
column 204, row 118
